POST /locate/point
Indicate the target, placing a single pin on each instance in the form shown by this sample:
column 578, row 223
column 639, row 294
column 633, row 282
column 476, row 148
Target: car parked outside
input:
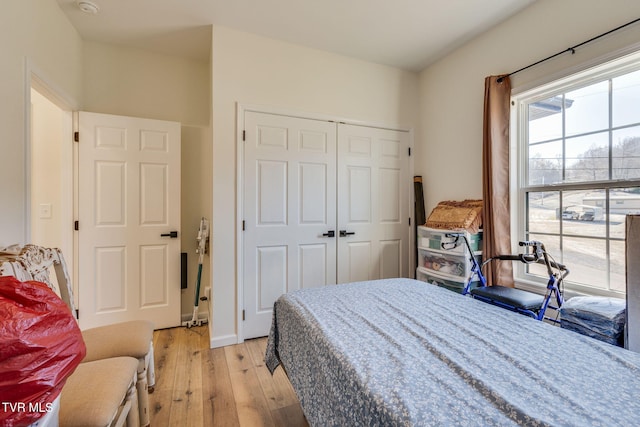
column 586, row 216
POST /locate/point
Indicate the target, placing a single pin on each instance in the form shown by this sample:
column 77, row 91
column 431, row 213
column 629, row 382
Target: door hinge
column 78, row 313
column 76, row 225
column 243, row 225
column 244, row 135
column 409, row 151
column 409, row 221
column 242, row 314
column 76, row 136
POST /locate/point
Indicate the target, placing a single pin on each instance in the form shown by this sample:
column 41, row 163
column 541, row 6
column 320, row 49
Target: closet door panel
column 373, row 203
column 391, row 258
column 313, row 265
column 313, row 207
column 356, row 263
column 272, row 183
column 289, row 204
column 358, row 192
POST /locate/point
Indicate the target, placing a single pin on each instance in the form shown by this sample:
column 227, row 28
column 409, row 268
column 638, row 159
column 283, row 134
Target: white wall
column 451, row 91
column 35, row 35
column 51, row 174
column 250, row 69
column 139, row 83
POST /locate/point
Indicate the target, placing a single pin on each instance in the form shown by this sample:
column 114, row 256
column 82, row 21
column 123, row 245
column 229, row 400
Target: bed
column 399, row 352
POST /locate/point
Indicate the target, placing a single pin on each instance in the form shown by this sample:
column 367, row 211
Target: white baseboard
column 215, row 342
column 202, row 315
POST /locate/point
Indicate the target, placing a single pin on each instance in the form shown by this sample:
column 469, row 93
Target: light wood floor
column 230, row 386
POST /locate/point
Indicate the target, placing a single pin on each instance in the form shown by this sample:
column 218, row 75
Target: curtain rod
column 571, row 49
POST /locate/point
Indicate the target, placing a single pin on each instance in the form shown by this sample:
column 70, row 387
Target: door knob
column 172, row 234
column 330, row 233
column 344, row 233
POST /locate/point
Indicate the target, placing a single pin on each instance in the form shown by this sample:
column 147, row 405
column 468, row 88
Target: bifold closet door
column 373, row 203
column 324, row 203
column 289, row 207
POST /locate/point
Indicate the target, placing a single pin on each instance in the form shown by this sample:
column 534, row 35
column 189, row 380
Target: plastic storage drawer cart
column 448, row 268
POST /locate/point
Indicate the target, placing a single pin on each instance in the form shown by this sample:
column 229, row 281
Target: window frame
column 519, row 163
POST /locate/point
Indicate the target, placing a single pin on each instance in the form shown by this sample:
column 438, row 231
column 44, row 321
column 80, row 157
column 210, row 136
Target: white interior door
column 289, row 211
column 129, row 197
column 373, row 203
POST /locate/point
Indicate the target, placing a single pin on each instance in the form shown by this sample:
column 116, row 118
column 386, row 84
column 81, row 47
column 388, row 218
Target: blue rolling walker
column 523, row 302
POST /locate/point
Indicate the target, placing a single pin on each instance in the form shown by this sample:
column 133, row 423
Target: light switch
column 45, row 210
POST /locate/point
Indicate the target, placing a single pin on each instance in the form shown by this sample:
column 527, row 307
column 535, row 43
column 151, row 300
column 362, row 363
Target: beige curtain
column 495, row 179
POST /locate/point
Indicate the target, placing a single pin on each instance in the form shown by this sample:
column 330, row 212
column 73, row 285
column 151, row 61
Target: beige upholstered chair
column 132, row 339
column 101, row 393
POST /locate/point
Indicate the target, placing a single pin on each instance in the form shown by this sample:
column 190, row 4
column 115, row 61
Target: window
column 578, row 172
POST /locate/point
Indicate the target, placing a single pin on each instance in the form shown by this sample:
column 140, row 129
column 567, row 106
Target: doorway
column 50, row 154
column 55, row 210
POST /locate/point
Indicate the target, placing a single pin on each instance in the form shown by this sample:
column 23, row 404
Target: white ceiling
column 408, row 34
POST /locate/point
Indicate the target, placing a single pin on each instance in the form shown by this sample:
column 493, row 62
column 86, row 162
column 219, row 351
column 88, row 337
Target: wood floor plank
column 194, row 370
column 222, row 401
column 165, row 353
column 186, row 405
column 177, row 390
column 238, row 357
column 251, row 403
column 290, row 416
column 197, row 387
column 277, row 388
column 208, row 380
column 221, row 387
column 165, row 356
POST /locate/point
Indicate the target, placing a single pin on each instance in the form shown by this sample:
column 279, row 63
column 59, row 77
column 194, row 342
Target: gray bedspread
column 400, row 352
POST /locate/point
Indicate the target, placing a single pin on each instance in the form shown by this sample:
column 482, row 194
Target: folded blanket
column 592, row 308
column 610, row 336
column 598, row 317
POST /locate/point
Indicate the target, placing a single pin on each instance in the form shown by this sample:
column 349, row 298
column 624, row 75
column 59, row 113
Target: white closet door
column 289, row 211
column 373, row 203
